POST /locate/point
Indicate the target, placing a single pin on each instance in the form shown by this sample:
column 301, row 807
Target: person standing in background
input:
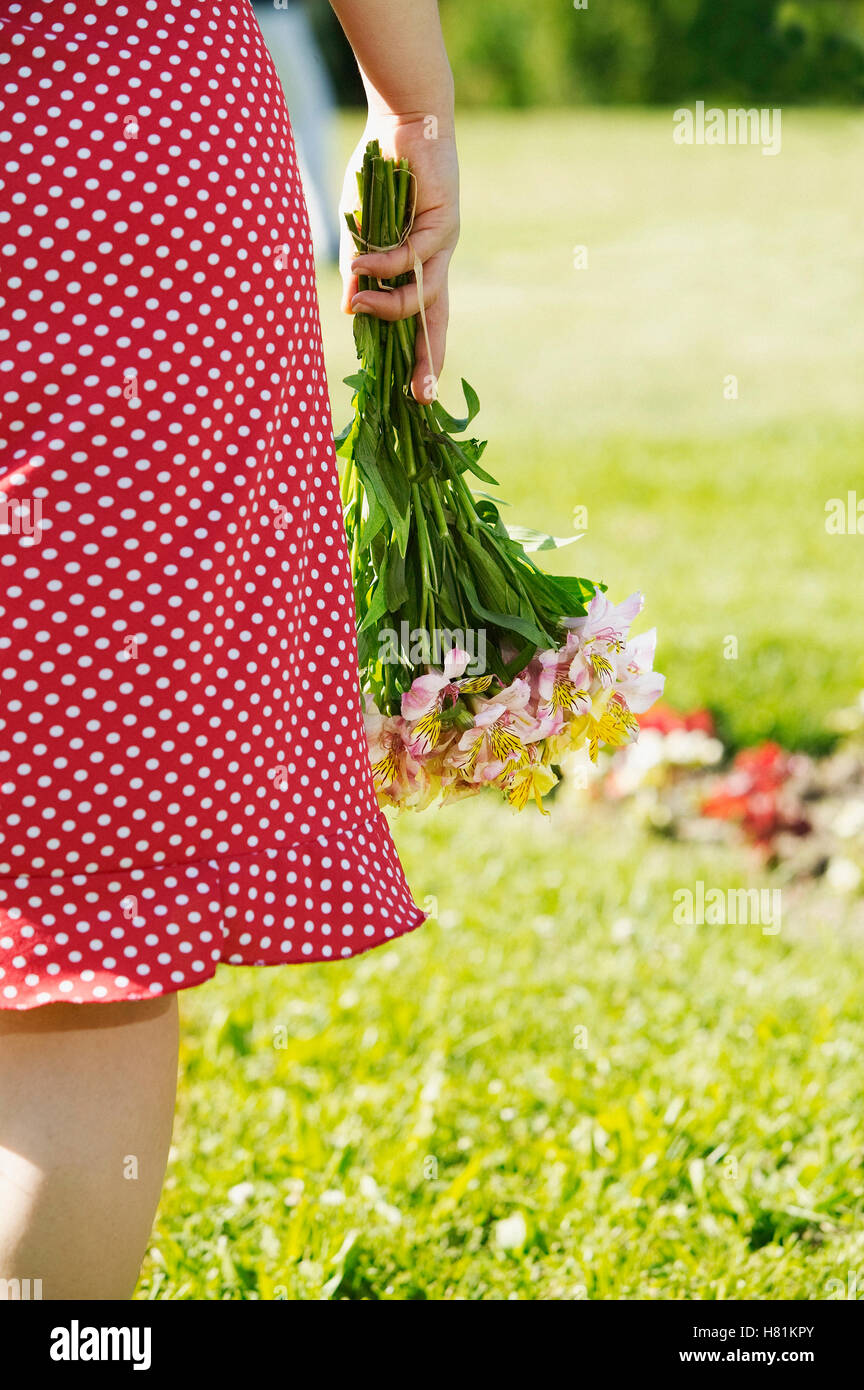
column 288, row 35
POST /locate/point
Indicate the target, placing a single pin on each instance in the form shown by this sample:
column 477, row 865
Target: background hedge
column 545, row 52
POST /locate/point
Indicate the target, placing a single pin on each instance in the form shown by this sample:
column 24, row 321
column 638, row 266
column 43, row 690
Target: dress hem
column 147, row 932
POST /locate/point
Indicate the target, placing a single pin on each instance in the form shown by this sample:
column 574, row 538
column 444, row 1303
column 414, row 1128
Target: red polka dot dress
column 184, row 778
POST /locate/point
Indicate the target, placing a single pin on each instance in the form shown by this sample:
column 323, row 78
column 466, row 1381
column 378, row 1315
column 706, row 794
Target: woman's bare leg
column 86, row 1109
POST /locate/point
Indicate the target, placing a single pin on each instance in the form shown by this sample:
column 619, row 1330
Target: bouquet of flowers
column 478, row 668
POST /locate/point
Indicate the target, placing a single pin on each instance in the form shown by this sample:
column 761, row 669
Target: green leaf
column 369, row 453
column 491, row 581
column 344, row 440
column 446, row 421
column 364, row 336
column 367, row 647
column 448, row 600
column 539, row 540
column 507, row 622
column 372, row 522
column 414, row 586
column 378, row 606
column 397, row 591
column 488, row 513
column 392, row 470
column 572, row 594
column 469, row 463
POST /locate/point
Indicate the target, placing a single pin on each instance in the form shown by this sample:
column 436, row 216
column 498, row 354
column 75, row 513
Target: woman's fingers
column 391, row 305
column 386, row 265
column 349, row 290
column 349, row 279
column 403, row 301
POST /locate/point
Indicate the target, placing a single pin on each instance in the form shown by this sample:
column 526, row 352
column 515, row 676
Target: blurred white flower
column 849, row 820
column 512, row 1232
column 653, row 749
column 372, row 1192
column 622, row 930
column 240, row 1193
column 842, row 875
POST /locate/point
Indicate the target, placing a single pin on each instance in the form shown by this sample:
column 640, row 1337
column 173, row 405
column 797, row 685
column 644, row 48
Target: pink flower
column 502, row 728
column 563, row 681
column 423, row 703
column 636, row 680
column 388, row 751
column 430, row 691
column 400, row 779
column 606, row 620
column 601, row 633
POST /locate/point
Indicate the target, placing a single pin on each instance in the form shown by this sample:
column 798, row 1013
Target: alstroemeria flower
column 614, row 726
column 605, row 619
column 428, row 695
column 502, row 728
column 385, row 734
column 586, row 691
column 602, row 633
column 637, row 681
column 400, row 779
column 531, row 776
column 560, row 687
column 608, row 721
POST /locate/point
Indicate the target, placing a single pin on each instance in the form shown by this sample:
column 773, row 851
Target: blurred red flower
column 667, row 720
column 756, row 794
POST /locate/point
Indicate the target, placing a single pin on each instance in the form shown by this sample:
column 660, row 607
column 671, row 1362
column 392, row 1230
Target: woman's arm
column 400, row 51
column 409, row 86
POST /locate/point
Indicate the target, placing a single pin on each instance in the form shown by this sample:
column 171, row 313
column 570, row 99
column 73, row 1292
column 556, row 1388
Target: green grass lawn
column 674, row 1112
column 651, row 1110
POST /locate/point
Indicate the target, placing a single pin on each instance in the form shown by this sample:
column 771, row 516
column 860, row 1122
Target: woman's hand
column 432, row 156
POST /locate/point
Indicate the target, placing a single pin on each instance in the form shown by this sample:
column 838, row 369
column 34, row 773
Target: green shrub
column 548, row 53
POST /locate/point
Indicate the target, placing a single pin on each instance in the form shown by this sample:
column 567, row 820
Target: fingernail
column 358, row 263
column 357, row 302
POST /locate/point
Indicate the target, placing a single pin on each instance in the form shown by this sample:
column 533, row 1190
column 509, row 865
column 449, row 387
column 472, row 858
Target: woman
column 185, row 775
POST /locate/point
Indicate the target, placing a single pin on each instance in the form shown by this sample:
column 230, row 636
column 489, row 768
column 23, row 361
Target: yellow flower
column 608, row 721
column 528, row 778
